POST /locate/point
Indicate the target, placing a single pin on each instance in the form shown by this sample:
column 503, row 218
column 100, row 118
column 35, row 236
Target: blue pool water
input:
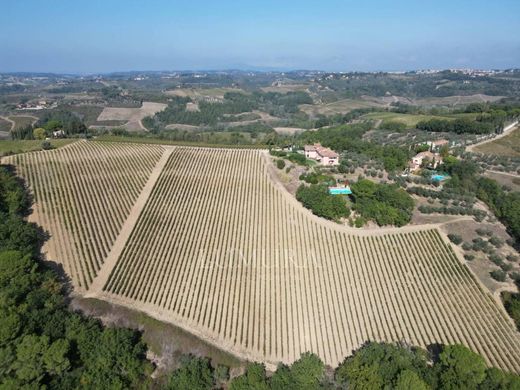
column 340, row 191
column 439, row 177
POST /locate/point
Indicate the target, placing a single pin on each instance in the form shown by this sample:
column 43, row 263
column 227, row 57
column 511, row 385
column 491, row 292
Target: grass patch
column 505, row 146
column 21, row 146
column 162, row 338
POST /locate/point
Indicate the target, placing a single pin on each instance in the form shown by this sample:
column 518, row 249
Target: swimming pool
column 340, row 191
column 439, row 177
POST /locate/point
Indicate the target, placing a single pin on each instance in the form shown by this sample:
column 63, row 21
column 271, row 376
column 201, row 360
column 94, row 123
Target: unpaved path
column 503, row 173
column 507, row 130
column 103, row 274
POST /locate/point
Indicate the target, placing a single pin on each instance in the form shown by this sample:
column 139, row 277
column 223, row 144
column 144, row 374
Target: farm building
column 321, row 154
column 434, row 160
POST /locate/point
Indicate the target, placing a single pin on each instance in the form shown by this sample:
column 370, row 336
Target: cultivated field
column 508, row 145
column 338, row 107
column 200, row 93
column 457, row 100
column 285, row 88
column 23, row 120
column 133, row 116
column 215, row 245
column 223, row 251
column 408, row 119
column 83, row 194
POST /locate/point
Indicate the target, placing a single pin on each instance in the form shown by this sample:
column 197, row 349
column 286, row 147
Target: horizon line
column 257, row 70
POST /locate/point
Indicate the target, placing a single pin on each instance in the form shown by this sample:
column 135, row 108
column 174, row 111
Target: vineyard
column 83, row 194
column 220, row 249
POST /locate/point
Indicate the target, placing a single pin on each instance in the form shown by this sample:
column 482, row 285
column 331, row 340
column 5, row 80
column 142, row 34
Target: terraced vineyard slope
column 83, row 194
column 223, row 251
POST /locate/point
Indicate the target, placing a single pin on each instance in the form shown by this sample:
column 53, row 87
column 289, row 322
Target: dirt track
column 507, row 130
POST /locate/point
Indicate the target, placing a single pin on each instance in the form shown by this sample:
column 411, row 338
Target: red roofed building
column 321, row 154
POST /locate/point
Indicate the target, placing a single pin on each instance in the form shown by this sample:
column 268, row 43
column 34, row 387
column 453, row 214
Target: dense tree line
column 384, row 204
column 382, row 366
column 42, row 343
column 491, row 118
column 459, row 126
column 321, row 203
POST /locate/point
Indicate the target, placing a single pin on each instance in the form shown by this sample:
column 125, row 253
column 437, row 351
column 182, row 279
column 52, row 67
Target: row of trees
column 383, row 366
column 374, row 366
column 459, row 126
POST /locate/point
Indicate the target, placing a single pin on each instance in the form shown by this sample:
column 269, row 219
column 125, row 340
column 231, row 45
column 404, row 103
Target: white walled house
column 434, row 159
column 321, row 154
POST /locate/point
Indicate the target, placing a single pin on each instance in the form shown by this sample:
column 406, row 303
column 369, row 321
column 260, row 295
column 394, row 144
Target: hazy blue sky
column 91, row 36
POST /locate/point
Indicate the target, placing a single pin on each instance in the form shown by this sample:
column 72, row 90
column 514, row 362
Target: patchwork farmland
column 208, row 240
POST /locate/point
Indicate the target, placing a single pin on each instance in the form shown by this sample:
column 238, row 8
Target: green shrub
column 46, row 145
column 496, row 241
column 496, row 259
column 222, row 373
column 498, row 275
column 455, row 238
column 280, row 164
column 467, row 246
column 484, row 232
column 195, row 373
column 297, row 158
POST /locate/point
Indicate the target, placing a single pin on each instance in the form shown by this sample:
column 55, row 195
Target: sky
column 94, row 36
